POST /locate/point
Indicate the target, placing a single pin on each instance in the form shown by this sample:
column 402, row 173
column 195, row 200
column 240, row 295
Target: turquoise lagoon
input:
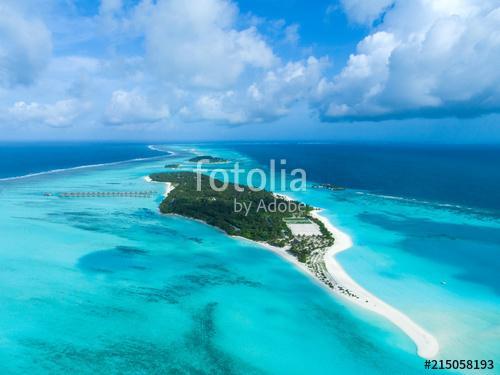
column 108, row 285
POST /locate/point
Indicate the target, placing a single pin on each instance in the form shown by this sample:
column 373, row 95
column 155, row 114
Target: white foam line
column 53, row 171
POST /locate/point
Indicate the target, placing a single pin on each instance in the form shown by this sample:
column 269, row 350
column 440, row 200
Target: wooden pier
column 104, row 194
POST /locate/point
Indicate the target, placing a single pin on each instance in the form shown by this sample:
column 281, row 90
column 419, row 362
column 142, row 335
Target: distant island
column 172, row 165
column 207, row 159
column 328, row 187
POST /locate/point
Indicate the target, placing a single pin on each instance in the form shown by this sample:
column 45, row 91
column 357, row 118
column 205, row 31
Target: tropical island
column 303, row 237
column 207, row 159
column 173, row 166
column 262, row 215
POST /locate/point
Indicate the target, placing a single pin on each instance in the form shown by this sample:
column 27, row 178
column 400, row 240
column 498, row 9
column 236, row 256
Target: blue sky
column 383, row 70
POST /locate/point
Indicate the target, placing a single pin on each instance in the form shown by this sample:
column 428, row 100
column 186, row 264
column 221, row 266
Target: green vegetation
column 253, row 218
column 207, row 159
column 322, row 228
column 172, row 165
column 217, row 208
column 303, row 246
column 297, row 220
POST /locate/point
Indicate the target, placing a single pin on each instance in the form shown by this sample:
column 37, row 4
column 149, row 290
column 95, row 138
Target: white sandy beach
column 168, row 186
column 427, row 345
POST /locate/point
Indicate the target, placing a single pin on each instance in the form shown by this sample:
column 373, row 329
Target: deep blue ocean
column 462, row 175
column 19, row 159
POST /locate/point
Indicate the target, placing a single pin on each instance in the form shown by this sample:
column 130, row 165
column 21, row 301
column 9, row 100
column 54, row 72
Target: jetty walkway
column 104, row 194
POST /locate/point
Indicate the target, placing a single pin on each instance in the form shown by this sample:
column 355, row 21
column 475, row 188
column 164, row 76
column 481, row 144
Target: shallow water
column 108, row 285
column 26, row 158
column 434, row 260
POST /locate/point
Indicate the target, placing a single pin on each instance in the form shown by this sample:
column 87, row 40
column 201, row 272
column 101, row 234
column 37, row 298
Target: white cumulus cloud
column 59, row 114
column 25, row 47
column 429, row 58
column 266, row 99
column 365, row 12
column 130, row 107
column 197, row 43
